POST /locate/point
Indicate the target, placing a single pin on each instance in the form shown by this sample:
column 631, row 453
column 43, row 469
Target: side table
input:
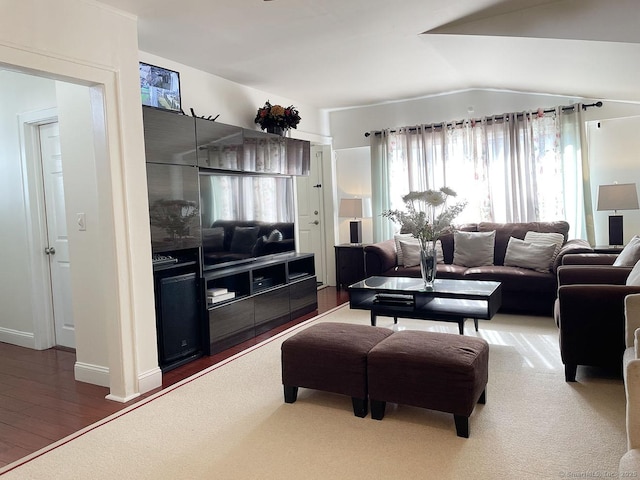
column 350, row 267
column 607, row 249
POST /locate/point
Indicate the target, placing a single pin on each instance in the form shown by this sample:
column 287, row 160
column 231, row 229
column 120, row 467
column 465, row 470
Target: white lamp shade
column 618, row 196
column 355, row 208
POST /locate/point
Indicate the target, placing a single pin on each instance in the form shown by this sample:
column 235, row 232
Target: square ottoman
column 438, row 371
column 331, row 357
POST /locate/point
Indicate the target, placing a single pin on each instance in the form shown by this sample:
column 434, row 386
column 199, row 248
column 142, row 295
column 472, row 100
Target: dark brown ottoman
column 331, row 357
column 439, row 371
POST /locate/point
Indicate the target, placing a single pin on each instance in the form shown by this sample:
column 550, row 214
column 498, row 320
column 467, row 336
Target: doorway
column 311, row 217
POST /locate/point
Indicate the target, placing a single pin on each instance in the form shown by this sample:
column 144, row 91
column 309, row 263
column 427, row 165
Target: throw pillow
column 473, row 249
column 546, row 238
column 243, row 239
column 274, row 236
column 410, row 252
column 634, row 277
column 402, row 236
column 410, row 248
column 213, row 238
column 533, row 256
column 630, row 254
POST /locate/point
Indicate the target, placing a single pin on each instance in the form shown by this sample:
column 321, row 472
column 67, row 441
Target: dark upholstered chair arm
column 572, row 247
column 602, row 275
column 380, row 257
column 589, row 259
column 591, row 322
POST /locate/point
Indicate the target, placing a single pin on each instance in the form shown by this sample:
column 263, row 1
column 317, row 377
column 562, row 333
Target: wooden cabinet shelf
column 268, row 293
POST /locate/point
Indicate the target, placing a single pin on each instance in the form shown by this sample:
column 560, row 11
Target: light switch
column 81, row 221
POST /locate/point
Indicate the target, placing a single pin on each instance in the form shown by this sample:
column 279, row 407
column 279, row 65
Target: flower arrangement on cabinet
column 427, row 215
column 277, row 116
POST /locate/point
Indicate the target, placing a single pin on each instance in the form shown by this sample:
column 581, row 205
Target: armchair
column 630, row 461
column 589, row 312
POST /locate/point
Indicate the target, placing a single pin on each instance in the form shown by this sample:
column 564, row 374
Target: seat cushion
column 331, row 356
column 513, row 278
column 434, row 370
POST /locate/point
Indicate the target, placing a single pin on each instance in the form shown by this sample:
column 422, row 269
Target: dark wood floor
column 40, row 401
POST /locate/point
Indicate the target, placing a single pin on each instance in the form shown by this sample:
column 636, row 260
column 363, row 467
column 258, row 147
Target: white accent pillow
column 411, row 252
column 634, row 277
column 630, row 254
column 402, row 236
column 473, row 249
column 533, row 256
column 546, row 238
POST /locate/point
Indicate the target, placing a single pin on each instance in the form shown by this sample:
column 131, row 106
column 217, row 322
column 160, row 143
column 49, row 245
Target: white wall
column 88, row 247
column 614, row 153
column 236, row 104
column 19, row 94
column 353, row 173
column 617, row 146
column 349, row 125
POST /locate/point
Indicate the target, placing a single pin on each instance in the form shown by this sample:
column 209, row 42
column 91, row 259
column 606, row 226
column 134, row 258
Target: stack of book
column 219, row 294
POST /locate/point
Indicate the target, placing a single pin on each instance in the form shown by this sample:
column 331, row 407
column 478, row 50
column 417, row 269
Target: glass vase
column 428, row 264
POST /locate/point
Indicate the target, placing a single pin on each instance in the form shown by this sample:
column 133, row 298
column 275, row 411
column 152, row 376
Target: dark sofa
column 523, row 290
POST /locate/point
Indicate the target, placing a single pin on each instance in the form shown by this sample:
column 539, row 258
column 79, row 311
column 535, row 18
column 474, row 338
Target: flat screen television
column 244, row 217
column 160, row 87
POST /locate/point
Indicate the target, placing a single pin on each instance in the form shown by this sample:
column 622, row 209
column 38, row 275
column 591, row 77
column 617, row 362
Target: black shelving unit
column 268, row 293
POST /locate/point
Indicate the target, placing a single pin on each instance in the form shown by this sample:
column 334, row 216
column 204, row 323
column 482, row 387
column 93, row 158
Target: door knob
column 50, row 250
column 315, row 222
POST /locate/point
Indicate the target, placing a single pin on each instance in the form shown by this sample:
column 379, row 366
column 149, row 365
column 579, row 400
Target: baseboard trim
column 88, row 373
column 16, row 337
column 150, row 380
column 98, row 375
column 116, row 398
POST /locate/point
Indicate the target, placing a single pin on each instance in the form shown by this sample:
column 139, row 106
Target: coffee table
column 449, row 300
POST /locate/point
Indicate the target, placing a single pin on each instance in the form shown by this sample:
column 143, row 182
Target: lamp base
column 615, row 230
column 355, row 231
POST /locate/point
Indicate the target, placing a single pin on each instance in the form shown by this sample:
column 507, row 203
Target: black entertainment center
column 222, row 233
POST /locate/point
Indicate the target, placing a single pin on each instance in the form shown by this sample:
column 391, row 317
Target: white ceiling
column 344, row 53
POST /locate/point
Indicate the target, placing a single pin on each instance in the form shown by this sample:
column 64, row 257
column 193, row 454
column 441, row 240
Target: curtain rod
column 496, row 117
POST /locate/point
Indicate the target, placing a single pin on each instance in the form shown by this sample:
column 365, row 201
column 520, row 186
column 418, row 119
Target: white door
column 311, row 228
column 58, row 241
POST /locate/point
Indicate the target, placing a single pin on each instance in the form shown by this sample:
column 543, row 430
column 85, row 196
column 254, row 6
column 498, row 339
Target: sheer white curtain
column 512, row 168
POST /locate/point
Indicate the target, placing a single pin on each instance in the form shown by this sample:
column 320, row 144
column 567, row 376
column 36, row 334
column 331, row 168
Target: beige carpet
column 230, row 422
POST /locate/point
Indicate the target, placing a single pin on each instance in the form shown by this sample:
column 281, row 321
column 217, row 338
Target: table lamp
column 355, row 208
column 618, row 196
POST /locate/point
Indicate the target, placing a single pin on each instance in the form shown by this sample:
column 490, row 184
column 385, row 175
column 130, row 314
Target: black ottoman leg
column 462, row 425
column 360, row 407
column 290, row 394
column 570, row 372
column 483, row 397
column 377, row 409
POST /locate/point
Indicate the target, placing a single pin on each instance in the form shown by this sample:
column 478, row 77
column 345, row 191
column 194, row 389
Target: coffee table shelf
column 449, row 300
